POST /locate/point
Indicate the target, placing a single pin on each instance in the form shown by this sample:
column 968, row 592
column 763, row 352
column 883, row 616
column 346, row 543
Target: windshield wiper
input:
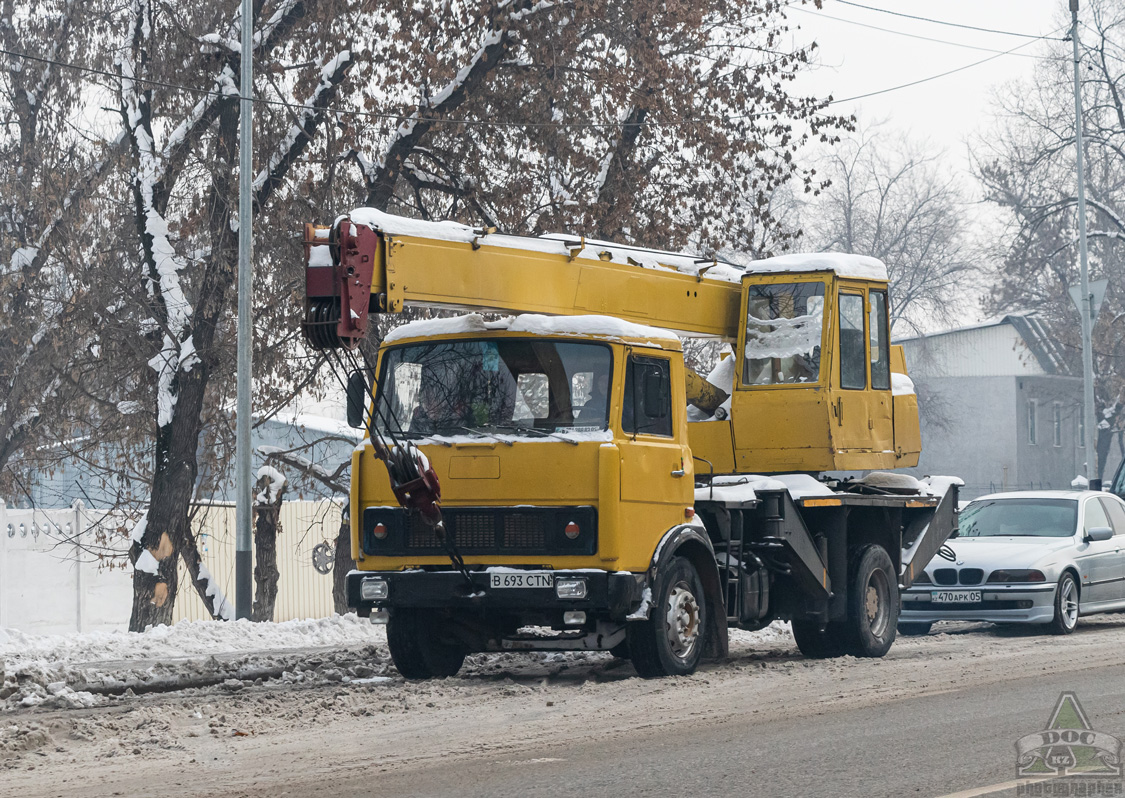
column 477, row 431
column 537, row 431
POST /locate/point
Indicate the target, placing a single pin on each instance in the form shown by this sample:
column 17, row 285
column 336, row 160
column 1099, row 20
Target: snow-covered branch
column 333, row 480
column 301, row 132
column 493, row 45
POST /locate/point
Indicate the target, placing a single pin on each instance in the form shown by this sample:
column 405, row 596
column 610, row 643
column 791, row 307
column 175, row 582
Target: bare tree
column 1026, row 165
column 892, row 199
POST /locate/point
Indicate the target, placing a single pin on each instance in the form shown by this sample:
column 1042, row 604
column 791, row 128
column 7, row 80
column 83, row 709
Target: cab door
column 862, row 409
column 657, row 478
column 850, row 410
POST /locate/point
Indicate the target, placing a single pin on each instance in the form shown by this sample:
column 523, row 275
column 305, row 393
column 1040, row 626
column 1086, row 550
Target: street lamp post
column 1085, row 306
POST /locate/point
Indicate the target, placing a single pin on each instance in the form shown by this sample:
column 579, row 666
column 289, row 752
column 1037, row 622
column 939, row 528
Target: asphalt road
column 962, row 742
column 939, row 716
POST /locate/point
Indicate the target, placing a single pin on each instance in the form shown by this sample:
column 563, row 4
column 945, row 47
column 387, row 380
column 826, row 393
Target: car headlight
column 374, row 588
column 570, row 588
column 1017, row 575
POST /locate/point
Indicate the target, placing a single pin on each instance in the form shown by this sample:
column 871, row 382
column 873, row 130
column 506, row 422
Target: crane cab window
column 880, row 341
column 853, row 346
column 647, row 407
column 784, row 326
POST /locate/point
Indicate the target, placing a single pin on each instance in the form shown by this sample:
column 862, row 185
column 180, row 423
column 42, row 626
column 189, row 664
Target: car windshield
column 1039, row 518
column 509, row 386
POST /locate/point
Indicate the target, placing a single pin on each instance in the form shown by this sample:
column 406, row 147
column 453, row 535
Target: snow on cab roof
column 731, row 268
column 536, row 324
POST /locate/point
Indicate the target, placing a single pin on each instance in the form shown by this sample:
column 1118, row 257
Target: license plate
column 955, row 596
column 523, row 580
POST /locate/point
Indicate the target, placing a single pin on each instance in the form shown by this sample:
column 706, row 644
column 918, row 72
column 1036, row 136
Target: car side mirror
column 1099, row 533
column 357, row 398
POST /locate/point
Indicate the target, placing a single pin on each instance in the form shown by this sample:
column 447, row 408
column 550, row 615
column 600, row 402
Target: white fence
column 51, row 581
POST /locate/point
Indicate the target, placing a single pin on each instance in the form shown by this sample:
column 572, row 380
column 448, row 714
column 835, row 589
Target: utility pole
column 1085, row 307
column 243, row 559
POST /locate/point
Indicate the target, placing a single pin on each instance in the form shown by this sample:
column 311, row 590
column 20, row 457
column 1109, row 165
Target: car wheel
column 418, row 646
column 1066, row 605
column 911, row 629
column 671, row 641
column 873, row 603
column 817, row 640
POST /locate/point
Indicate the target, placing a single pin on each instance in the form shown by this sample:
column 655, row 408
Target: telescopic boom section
column 372, row 262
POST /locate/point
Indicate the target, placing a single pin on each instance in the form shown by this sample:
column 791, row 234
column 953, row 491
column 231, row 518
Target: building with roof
column 1000, row 405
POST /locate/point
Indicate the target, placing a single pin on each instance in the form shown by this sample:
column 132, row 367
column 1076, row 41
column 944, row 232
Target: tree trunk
column 267, row 526
column 342, row 564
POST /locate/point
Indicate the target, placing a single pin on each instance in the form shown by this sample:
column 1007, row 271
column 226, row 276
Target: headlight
column 374, row 588
column 570, row 588
column 1017, row 575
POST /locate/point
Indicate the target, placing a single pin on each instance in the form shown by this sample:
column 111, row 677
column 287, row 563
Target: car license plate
column 955, row 596
column 523, row 580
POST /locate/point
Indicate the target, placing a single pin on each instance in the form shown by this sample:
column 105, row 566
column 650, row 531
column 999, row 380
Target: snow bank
column 76, row 670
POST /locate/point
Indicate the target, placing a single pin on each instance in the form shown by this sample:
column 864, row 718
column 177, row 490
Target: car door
column 1099, row 560
column 1115, row 509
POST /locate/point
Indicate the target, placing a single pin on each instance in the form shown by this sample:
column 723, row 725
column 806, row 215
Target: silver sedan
column 1037, row 557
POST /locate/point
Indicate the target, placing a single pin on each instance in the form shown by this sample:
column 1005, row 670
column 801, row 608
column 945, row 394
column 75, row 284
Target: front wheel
column 1066, row 605
column 670, row 642
column 420, row 645
column 817, row 640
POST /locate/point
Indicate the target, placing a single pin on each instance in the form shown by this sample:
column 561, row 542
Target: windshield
column 452, row 387
column 1040, row 518
column 784, row 324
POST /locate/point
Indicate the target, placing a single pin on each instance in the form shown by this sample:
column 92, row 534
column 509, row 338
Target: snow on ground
column 83, row 670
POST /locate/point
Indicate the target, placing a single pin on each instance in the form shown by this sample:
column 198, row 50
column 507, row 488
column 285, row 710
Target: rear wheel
column 913, row 629
column 670, row 642
column 817, row 640
column 1066, row 605
column 421, row 646
column 873, row 603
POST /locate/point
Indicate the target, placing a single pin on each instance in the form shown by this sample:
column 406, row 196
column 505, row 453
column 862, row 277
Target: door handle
column 679, row 472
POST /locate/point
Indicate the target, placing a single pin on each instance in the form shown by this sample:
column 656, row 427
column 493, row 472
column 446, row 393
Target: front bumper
column 613, row 595
column 999, row 604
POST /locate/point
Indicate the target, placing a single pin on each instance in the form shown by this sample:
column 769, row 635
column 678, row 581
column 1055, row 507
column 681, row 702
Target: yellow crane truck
column 559, row 479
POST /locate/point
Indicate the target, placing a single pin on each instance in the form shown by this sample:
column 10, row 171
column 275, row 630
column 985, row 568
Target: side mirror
column 1099, row 533
column 656, row 399
column 357, row 398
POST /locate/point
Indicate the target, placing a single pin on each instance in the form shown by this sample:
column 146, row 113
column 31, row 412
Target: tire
column 1066, row 605
column 914, row 629
column 419, row 645
column 671, row 641
column 873, row 603
column 818, row 641
column 621, row 650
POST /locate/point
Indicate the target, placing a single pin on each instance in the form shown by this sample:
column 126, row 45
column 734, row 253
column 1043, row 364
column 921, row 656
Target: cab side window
column 647, row 407
column 853, row 343
column 880, row 342
column 1095, row 515
column 1116, row 512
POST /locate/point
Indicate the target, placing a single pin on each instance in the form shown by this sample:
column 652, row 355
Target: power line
column 917, row 36
column 950, row 24
column 926, row 79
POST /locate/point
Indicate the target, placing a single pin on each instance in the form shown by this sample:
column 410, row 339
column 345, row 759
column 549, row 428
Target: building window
column 1056, row 423
column 1082, row 426
column 1032, row 413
